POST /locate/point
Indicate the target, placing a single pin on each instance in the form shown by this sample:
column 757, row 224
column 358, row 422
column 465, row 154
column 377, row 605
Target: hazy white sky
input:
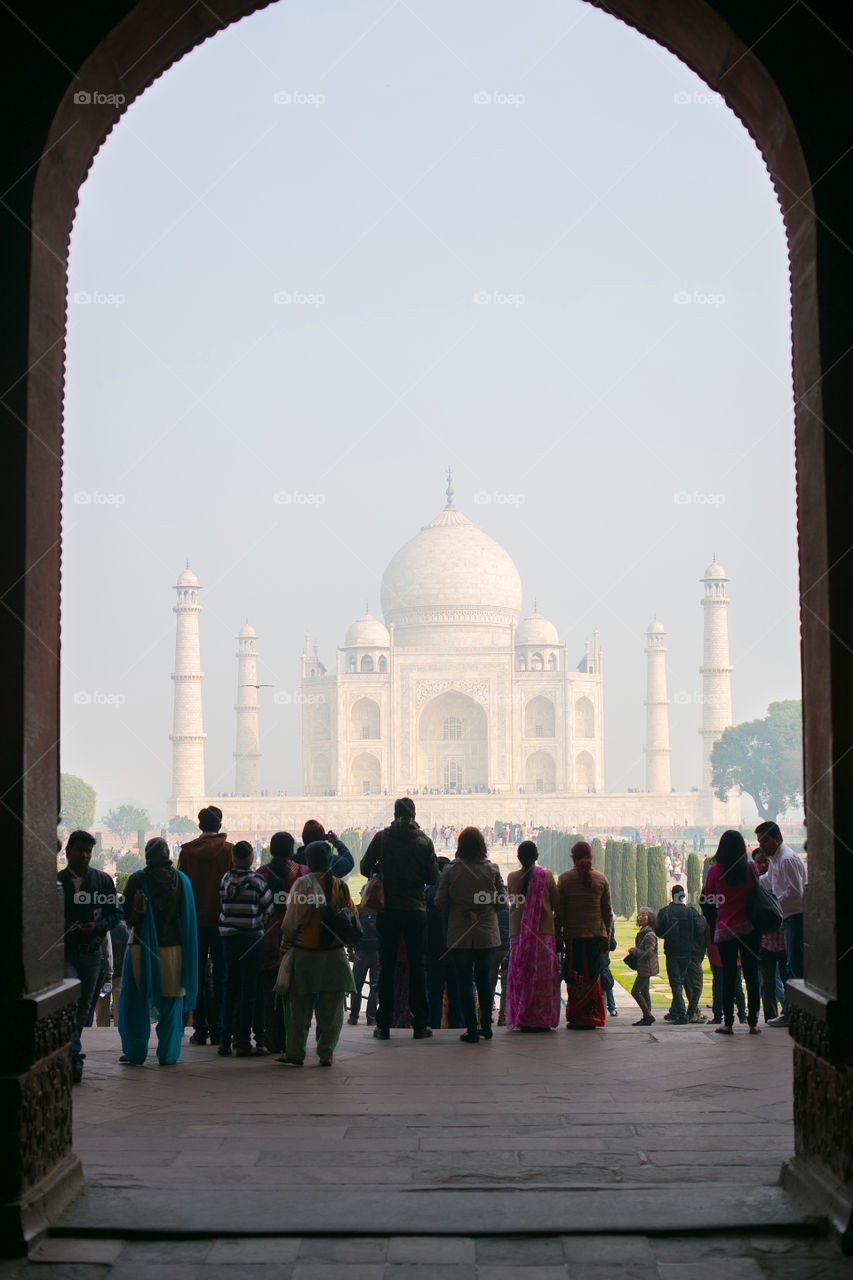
column 522, row 240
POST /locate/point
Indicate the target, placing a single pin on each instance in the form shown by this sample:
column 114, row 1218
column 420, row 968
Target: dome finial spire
column 449, row 491
column 535, row 605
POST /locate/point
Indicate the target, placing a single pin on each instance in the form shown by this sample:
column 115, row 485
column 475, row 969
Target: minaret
column 248, row 752
column 188, row 725
column 658, row 773
column 716, row 670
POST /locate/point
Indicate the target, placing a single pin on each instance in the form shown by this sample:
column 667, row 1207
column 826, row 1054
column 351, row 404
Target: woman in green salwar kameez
column 320, row 976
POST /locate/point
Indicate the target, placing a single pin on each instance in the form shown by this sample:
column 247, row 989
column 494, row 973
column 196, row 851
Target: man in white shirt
column 786, row 877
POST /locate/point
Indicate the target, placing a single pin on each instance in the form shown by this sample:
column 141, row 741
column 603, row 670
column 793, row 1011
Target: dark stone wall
column 787, row 73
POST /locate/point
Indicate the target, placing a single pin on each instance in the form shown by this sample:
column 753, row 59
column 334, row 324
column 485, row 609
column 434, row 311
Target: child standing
column 246, row 900
column 645, row 949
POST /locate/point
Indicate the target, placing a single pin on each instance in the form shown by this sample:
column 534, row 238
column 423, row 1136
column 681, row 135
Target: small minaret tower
column 248, row 752
column 188, row 725
column 658, row 771
column 716, row 670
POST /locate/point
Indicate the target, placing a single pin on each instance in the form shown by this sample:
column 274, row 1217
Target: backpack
column 342, row 925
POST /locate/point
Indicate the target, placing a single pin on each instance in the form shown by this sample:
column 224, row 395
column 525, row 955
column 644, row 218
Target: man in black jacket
column 91, row 910
column 695, row 980
column 405, row 858
column 676, row 927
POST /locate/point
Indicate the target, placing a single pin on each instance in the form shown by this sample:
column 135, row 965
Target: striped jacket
column 245, row 897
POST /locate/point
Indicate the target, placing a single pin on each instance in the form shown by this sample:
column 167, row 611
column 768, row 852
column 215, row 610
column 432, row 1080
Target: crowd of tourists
column 253, row 956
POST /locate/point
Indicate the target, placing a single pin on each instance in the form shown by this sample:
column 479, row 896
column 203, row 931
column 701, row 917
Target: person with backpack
column 245, row 903
column 313, row 941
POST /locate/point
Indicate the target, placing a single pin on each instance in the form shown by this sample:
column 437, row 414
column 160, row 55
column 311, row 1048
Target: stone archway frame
column 129, row 56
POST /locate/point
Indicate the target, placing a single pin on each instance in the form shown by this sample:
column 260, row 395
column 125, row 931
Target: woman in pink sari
column 533, row 993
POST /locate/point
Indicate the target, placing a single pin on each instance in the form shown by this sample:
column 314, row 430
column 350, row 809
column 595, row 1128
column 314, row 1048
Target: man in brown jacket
column 205, row 861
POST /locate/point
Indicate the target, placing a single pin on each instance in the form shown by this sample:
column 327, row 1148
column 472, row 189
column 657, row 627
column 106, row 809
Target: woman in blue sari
column 160, row 976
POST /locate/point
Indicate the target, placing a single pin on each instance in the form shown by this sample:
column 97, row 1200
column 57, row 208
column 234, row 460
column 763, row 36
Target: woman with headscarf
column 471, row 891
column 321, row 976
column 583, row 916
column 160, row 976
column 533, row 995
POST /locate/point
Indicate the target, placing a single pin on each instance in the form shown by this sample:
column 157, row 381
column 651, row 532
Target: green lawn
column 626, row 931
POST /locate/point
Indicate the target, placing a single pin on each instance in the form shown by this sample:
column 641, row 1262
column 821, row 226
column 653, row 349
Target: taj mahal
column 455, row 699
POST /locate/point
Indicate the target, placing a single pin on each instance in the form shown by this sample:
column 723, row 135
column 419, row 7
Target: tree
column 76, row 803
column 628, row 880
column 763, row 758
column 129, row 862
column 597, row 855
column 181, row 827
column 642, row 876
column 125, row 819
column 609, row 857
column 657, row 878
column 694, row 880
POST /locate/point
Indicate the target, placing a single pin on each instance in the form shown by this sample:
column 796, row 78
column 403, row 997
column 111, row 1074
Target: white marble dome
column 247, row 632
column 537, row 630
column 367, row 632
column 655, row 628
column 714, row 570
column 451, row 572
column 188, row 578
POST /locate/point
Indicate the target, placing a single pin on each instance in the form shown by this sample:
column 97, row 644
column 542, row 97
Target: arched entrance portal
column 453, row 744
column 760, row 67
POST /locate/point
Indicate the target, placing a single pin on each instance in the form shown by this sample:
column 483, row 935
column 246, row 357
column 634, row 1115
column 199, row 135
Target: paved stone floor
column 628, row 1152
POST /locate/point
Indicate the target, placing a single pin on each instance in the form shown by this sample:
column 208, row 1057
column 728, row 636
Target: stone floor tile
column 735, row 1269
column 520, row 1271
column 608, row 1249
column 437, row 1250
column 251, row 1270
column 154, row 1271
column 613, row 1271
column 698, row 1248
column 77, row 1249
column 159, row 1251
column 252, row 1249
column 26, row 1269
column 520, row 1251
column 428, row 1271
column 314, row 1269
column 783, row 1268
column 351, row 1249
column 215, row 1159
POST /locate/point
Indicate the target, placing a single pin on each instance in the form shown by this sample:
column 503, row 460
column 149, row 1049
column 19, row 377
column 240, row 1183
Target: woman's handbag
column 762, row 909
column 631, row 960
column 285, row 973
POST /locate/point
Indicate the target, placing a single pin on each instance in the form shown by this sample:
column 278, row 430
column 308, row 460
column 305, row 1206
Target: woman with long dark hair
column 730, row 880
column 471, row 891
column 584, row 917
column 533, row 999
